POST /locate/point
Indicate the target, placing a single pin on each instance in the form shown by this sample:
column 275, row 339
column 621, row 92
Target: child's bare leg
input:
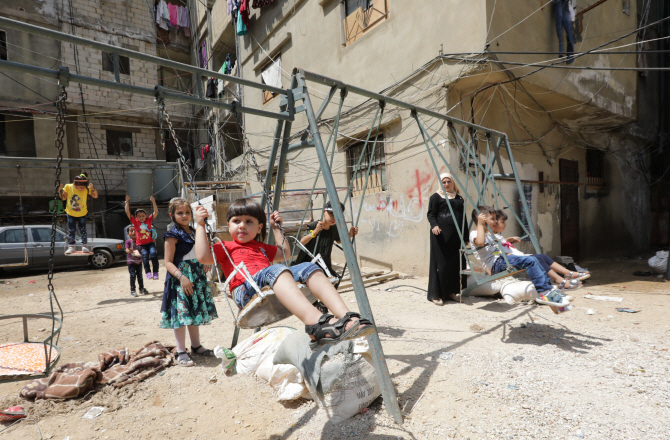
column 288, row 293
column 180, row 339
column 554, row 276
column 560, row 269
column 324, row 291
column 194, row 335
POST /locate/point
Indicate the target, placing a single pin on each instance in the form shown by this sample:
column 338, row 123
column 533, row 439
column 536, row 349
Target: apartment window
column 3, row 45
column 17, row 135
column 377, row 179
column 361, row 16
column 175, row 79
column 108, row 63
column 595, row 167
column 119, row 143
column 271, row 75
column 273, row 181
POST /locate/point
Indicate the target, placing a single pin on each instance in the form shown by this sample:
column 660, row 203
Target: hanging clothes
column 272, row 73
column 230, row 6
column 203, row 55
column 562, row 21
column 212, row 87
column 228, row 65
column 262, row 3
column 174, row 16
column 244, row 12
column 161, row 10
column 184, row 20
column 241, row 26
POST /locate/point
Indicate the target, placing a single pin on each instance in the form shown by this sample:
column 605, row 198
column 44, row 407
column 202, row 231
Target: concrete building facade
column 575, row 133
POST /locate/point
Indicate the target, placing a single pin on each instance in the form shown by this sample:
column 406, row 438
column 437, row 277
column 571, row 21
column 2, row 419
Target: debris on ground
column 603, row 298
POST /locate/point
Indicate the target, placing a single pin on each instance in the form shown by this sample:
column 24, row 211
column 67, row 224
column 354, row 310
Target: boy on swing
column 76, row 195
column 247, row 226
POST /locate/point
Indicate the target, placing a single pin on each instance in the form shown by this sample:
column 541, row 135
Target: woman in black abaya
column 445, row 244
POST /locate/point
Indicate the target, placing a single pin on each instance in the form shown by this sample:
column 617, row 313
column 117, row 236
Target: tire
column 101, row 259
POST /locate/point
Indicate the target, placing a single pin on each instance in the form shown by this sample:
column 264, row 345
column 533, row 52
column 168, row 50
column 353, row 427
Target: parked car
column 12, row 248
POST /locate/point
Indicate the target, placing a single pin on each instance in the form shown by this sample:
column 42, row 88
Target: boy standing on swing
column 320, row 238
column 76, row 195
column 145, row 241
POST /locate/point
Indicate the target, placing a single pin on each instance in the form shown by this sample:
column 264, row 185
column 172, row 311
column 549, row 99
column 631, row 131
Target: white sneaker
column 69, row 250
column 85, row 250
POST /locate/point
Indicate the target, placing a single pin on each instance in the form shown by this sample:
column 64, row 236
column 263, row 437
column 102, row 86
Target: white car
column 12, row 248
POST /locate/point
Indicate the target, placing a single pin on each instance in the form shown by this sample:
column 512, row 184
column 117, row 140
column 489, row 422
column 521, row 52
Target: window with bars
column 119, row 143
column 108, row 63
column 595, row 168
column 361, row 16
column 3, row 45
column 377, row 163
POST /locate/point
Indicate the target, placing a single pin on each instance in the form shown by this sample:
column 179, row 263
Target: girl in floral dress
column 187, row 301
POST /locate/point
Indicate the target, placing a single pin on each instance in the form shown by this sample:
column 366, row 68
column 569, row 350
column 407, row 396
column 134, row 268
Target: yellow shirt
column 76, row 201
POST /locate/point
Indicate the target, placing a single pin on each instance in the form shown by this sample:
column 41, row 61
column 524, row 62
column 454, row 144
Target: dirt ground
column 516, row 372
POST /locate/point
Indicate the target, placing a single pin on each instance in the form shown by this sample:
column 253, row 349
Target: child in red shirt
column 145, row 240
column 246, row 223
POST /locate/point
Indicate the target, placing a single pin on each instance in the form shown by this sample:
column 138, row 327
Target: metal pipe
column 152, row 163
column 48, row 33
column 300, row 145
column 271, row 163
column 383, row 375
column 315, row 77
column 40, row 71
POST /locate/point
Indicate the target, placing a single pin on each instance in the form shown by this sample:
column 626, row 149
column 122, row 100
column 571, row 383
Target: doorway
column 569, row 172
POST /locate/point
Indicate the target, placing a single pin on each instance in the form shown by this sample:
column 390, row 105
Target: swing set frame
column 289, row 107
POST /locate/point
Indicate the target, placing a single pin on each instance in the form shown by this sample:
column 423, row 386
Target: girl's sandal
column 326, row 333
column 184, row 362
column 205, row 353
column 568, row 284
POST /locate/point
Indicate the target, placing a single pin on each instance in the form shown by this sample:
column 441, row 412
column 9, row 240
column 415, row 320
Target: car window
column 13, row 236
column 43, row 235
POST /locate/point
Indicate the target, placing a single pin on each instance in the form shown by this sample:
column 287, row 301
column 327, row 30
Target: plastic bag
column 250, row 353
column 517, row 291
column 659, row 263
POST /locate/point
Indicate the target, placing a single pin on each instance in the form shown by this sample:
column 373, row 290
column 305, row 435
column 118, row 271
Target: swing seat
column 479, row 274
column 265, row 308
column 29, row 360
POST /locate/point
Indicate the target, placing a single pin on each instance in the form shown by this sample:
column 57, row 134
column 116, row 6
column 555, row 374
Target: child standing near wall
column 76, row 195
column 134, row 260
column 145, row 240
column 187, row 301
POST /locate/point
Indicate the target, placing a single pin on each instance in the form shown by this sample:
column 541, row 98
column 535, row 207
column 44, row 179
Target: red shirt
column 143, row 230
column 250, row 253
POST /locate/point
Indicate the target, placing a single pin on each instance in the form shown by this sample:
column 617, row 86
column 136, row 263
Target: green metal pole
column 383, row 375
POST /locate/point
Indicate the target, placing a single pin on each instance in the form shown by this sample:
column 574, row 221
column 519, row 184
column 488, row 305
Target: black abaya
column 443, row 277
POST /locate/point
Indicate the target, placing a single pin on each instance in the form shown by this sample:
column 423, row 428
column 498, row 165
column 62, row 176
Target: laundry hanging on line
column 272, row 73
column 169, row 15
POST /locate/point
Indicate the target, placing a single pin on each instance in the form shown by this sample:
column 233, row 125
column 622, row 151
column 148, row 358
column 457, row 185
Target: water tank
column 166, row 184
column 138, row 185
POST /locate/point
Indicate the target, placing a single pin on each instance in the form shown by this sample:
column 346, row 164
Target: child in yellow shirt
column 76, row 195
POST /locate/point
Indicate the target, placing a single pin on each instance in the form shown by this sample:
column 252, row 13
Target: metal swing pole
column 383, row 375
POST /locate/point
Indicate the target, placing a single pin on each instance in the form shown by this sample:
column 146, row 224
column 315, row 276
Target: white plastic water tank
column 139, row 185
column 166, row 184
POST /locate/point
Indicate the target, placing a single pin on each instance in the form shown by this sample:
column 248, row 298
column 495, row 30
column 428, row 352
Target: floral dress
column 179, row 309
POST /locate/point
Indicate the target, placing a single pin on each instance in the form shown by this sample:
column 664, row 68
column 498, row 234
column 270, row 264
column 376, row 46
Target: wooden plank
column 371, row 281
column 369, row 274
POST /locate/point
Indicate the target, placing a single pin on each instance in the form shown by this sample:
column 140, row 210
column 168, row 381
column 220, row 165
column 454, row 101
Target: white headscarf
column 452, row 194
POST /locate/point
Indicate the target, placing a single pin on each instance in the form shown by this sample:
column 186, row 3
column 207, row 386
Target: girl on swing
column 247, row 226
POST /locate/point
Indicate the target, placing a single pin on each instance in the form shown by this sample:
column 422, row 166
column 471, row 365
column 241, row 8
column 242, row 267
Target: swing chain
column 60, row 133
column 23, row 222
column 160, row 126
column 208, row 227
column 259, row 177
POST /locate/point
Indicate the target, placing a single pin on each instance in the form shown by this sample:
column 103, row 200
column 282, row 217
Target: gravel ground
column 481, row 369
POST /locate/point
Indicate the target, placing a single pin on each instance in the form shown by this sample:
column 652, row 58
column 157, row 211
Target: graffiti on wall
column 401, row 208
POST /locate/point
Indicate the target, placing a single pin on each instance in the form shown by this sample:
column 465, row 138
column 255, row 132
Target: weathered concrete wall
column 615, row 93
column 394, row 232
